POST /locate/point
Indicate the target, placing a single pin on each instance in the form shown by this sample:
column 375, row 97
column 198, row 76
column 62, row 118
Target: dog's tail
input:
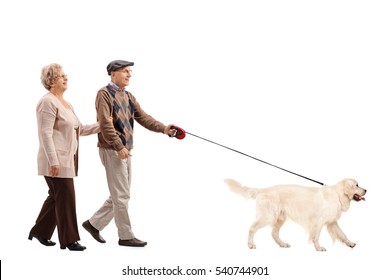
column 236, row 187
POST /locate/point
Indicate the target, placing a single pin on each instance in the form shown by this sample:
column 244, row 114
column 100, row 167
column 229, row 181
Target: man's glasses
column 128, row 72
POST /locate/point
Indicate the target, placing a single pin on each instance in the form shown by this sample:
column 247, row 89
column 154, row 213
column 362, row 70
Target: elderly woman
column 58, row 130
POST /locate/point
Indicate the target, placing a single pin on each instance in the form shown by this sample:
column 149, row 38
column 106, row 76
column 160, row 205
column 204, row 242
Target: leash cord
column 256, row 158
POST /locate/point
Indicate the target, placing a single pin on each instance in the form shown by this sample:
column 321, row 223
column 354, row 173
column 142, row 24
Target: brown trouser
column 59, row 209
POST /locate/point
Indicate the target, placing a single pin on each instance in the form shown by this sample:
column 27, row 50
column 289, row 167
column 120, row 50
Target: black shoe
column 43, row 241
column 132, row 242
column 93, row 231
column 75, row 246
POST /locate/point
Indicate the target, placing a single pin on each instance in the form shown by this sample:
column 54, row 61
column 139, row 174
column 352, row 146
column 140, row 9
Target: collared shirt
column 116, row 87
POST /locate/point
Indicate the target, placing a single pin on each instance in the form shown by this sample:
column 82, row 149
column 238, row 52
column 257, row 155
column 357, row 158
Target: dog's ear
column 345, row 194
column 348, row 187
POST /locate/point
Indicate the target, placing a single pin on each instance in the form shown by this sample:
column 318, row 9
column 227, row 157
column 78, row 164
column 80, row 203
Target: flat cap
column 117, row 64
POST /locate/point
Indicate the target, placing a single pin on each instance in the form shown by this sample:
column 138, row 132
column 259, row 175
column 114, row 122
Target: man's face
column 121, row 77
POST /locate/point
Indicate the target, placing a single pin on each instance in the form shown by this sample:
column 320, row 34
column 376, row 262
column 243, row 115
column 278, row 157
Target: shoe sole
column 135, row 245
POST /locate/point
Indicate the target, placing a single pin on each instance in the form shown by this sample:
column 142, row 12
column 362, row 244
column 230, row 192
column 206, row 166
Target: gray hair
column 49, row 74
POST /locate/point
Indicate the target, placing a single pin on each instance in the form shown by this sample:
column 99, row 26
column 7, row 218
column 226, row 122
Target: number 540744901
column 240, row 270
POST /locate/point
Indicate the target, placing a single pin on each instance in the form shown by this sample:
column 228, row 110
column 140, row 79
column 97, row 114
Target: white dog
column 310, row 207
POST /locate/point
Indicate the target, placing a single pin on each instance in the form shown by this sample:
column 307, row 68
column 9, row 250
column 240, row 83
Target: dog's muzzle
column 358, row 197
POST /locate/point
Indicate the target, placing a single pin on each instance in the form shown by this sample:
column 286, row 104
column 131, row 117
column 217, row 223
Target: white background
column 300, row 84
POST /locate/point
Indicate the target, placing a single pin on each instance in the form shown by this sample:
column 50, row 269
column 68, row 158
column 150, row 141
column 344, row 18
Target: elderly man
column 116, row 111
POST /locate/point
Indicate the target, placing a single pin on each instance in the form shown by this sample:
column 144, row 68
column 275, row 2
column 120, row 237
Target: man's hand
column 170, row 130
column 124, row 153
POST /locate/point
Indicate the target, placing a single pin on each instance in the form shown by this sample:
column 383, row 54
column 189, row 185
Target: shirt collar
column 116, row 87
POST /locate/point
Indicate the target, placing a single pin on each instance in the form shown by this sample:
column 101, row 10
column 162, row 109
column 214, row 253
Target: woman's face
column 121, row 77
column 61, row 83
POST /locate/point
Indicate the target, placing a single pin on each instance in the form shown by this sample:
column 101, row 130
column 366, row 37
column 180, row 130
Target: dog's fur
column 311, row 207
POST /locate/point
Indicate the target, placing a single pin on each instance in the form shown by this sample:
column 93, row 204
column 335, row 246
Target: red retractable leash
column 179, row 132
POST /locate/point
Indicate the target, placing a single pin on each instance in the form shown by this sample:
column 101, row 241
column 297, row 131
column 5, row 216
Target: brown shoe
column 93, row 231
column 132, row 242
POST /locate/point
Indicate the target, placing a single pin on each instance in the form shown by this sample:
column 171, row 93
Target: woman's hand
column 54, row 170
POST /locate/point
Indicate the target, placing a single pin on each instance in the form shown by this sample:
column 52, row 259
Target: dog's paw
column 285, row 245
column 320, row 249
column 251, row 246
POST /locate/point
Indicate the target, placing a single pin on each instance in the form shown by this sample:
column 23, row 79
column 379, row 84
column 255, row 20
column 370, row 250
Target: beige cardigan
column 56, row 137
